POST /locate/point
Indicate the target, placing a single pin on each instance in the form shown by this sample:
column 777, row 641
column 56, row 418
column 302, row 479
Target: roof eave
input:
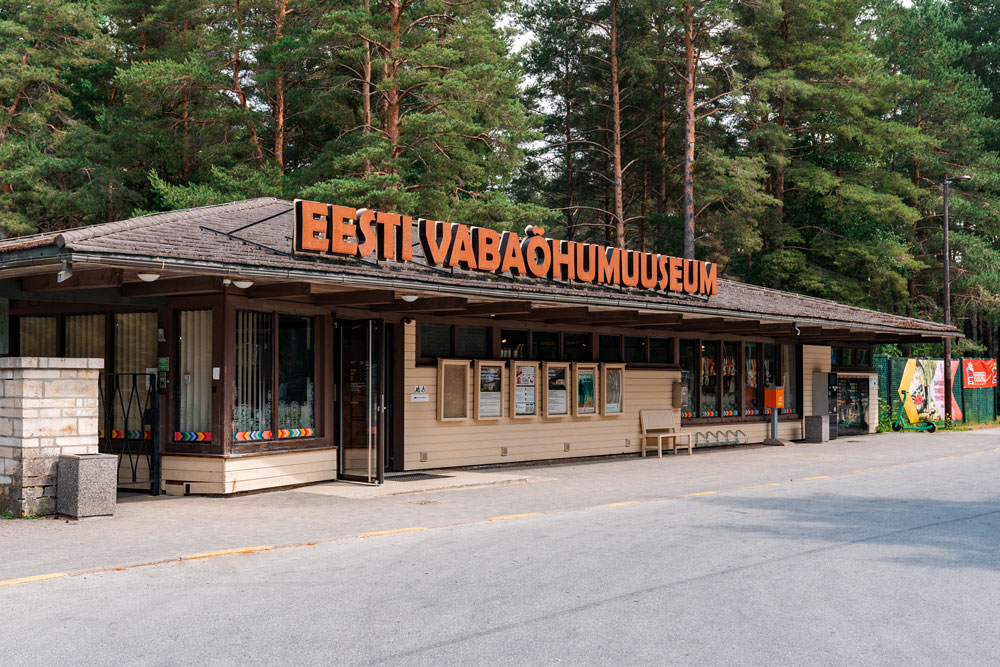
column 215, row 268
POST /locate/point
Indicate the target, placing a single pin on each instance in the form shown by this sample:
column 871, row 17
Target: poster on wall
column 613, row 389
column 923, row 380
column 490, row 390
column 556, row 391
column 979, row 373
column 525, row 387
column 586, row 391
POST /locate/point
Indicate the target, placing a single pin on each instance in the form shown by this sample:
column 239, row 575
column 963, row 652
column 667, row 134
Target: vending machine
column 826, row 399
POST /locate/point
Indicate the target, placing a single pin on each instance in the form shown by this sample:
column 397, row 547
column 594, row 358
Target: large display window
column 724, row 380
column 270, row 402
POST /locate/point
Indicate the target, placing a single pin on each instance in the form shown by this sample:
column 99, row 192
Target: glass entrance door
column 361, row 400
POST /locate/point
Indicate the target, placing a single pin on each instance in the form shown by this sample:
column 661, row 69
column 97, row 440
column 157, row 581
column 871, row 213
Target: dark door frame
column 376, row 421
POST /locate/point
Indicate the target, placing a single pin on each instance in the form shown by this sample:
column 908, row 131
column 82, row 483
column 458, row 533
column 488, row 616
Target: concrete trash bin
column 87, row 485
column 817, row 428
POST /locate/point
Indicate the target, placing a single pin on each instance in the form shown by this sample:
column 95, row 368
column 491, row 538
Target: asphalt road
column 898, row 566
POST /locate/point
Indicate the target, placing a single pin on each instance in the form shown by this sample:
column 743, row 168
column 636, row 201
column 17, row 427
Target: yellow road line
column 227, row 552
column 37, row 577
column 624, row 502
column 806, row 479
column 512, row 516
column 392, row 531
column 701, row 493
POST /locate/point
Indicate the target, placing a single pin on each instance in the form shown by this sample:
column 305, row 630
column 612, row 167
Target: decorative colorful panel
column 751, row 413
column 117, row 434
column 688, row 415
column 192, row 436
column 242, row 436
column 295, row 433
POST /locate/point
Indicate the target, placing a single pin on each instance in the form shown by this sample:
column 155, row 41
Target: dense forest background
column 801, row 144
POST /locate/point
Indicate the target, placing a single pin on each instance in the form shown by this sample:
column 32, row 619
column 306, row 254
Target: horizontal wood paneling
column 223, row 476
column 815, row 359
column 471, row 442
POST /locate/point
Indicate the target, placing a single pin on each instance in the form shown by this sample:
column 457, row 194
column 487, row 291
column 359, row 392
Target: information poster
column 586, row 391
column 613, row 391
column 490, row 391
column 557, row 391
column 525, row 386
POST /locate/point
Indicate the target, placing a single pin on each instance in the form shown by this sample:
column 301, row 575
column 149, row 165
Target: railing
column 129, row 427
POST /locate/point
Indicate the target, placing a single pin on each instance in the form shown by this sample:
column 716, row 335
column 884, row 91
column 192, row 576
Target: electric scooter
column 900, row 425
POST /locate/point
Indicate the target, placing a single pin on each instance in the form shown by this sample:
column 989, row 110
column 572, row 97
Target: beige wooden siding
column 815, row 359
column 224, row 476
column 470, row 442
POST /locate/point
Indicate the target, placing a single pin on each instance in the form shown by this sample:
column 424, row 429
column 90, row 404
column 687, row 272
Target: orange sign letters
column 339, row 230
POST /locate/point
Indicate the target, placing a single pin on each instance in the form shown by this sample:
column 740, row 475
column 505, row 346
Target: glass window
column 135, row 352
column 834, row 356
column 751, row 379
column 296, row 370
column 473, row 342
column 730, row 379
column 770, row 364
column 39, row 337
column 545, row 345
column 863, row 357
column 661, row 350
column 252, row 386
column 689, row 377
column 635, row 348
column 576, row 347
column 85, row 336
column 513, row 344
column 790, row 377
column 771, row 378
column 610, row 348
column 435, row 340
column 194, row 370
column 710, row 379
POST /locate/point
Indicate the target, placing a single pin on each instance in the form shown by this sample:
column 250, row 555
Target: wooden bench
column 659, row 424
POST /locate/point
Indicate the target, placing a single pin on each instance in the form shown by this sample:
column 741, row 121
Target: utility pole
column 947, row 300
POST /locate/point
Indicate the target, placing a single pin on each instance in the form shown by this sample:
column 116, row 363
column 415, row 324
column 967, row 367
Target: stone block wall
column 48, row 407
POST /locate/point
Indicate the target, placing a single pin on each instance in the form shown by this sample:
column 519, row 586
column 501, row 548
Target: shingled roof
column 254, row 238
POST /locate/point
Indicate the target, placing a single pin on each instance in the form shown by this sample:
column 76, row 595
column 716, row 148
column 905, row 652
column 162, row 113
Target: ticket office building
column 254, row 366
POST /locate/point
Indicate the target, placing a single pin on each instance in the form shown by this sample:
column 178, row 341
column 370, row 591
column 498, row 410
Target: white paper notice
column 524, row 390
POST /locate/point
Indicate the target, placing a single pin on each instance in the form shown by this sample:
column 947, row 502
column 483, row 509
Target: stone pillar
column 48, row 407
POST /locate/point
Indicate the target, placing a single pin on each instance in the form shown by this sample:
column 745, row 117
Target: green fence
column 977, row 406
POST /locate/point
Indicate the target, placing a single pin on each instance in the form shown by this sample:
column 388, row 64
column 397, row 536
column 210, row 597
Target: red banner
column 979, row 373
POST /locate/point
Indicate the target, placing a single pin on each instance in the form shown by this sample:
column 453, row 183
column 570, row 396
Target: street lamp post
column 947, row 299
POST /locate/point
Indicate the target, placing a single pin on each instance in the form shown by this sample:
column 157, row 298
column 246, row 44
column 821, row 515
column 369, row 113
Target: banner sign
column 979, row 373
column 923, row 380
column 340, row 230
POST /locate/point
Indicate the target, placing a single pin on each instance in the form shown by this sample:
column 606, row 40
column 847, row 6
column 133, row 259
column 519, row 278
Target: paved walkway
column 147, row 530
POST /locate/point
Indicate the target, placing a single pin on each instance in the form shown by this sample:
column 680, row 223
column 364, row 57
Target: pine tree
column 46, row 180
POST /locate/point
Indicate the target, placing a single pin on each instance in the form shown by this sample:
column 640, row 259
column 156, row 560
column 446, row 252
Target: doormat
column 414, row 477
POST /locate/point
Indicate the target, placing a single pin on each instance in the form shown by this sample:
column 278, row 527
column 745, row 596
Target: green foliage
column 824, row 127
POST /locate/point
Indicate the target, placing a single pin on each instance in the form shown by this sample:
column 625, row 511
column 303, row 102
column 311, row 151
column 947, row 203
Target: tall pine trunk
column 616, row 133
column 690, row 72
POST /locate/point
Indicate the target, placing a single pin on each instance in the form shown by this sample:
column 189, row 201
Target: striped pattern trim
column 296, row 432
column 117, row 434
column 243, row 436
column 192, row 436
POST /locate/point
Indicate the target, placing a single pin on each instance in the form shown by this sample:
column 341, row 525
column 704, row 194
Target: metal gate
column 129, row 428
